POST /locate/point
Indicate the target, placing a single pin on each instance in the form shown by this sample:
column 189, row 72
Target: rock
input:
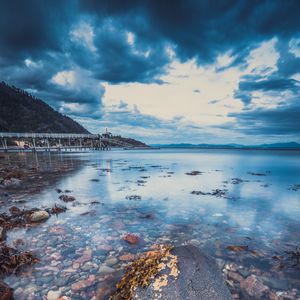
column 53, row 295
column 76, row 265
column 199, row 278
column 103, row 293
column 38, row 216
column 67, row 198
column 105, row 270
column 6, row 292
column 131, row 238
column 235, row 276
column 12, row 182
column 278, row 284
column 83, row 284
column 86, row 256
column 14, row 210
column 111, row 261
column 104, row 247
column 2, row 233
column 57, row 230
column 254, row 287
column 127, row 257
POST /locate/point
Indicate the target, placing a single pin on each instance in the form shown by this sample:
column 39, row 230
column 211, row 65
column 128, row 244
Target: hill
column 21, row 112
column 288, row 145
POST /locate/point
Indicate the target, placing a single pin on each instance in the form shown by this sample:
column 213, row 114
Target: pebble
column 111, row 261
column 38, row 216
column 53, row 295
column 105, row 270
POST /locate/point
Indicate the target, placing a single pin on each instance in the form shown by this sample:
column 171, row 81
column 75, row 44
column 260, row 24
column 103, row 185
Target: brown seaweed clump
column 11, row 260
column 142, row 271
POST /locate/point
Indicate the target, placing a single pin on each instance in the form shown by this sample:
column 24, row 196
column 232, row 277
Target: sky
column 162, row 71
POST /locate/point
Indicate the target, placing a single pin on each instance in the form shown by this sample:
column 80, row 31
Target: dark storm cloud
column 27, row 28
column 269, row 85
column 281, row 120
column 36, row 44
column 194, row 28
column 204, row 29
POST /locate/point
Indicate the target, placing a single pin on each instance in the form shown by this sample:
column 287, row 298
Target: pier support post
column 33, row 142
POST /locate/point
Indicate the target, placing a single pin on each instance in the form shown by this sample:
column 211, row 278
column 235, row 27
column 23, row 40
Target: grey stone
column 199, row 279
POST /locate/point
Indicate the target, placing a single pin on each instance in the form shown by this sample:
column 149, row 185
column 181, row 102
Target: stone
column 278, row 284
column 67, row 198
column 2, row 233
column 14, row 210
column 105, row 270
column 11, row 182
column 86, row 256
column 254, row 286
column 53, row 295
column 199, row 278
column 6, row 292
column 127, row 257
column 83, row 284
column 38, row 216
column 235, row 276
column 111, row 261
column 131, row 238
column 104, row 247
column 76, row 265
column 57, row 230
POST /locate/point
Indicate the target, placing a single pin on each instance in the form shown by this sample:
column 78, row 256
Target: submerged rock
column 194, row 173
column 131, row 239
column 6, row 292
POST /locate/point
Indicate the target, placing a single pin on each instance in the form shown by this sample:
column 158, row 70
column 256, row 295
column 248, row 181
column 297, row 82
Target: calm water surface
column 260, row 211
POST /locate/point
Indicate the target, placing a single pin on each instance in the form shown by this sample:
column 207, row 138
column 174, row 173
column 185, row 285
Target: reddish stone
column 103, row 293
column 127, row 257
column 86, row 256
column 131, row 238
column 57, row 230
column 14, row 210
column 6, row 292
column 83, row 284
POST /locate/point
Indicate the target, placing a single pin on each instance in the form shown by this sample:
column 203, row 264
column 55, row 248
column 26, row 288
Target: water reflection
column 259, row 211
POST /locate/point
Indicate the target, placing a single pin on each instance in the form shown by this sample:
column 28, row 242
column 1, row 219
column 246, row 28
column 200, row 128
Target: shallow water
column 262, row 212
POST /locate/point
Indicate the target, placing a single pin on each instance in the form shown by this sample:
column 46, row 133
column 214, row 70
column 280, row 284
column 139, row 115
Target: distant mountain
column 21, row 112
column 289, row 145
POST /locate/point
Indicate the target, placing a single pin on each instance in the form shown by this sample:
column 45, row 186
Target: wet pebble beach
column 86, row 216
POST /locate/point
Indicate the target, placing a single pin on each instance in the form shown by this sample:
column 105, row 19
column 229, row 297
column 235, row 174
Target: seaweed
column 11, row 260
column 142, row 271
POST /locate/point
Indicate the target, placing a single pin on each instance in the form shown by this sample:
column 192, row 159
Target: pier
column 14, row 141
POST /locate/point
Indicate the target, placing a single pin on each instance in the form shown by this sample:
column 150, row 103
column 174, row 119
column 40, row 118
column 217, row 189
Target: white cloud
column 84, row 34
column 65, row 78
column 130, row 38
column 31, row 64
column 263, row 59
column 294, row 45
